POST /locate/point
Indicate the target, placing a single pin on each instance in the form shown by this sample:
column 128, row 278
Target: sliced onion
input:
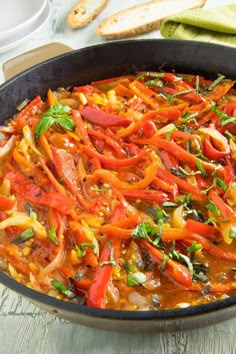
column 232, row 148
column 177, row 217
column 218, row 138
column 139, row 301
column 26, row 222
column 152, row 284
column 22, row 104
column 90, row 234
column 166, row 129
column 56, row 263
column 6, row 149
column 113, row 292
column 230, row 195
column 30, row 139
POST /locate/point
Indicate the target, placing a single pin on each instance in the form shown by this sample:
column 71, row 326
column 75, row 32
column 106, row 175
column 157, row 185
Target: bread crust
column 80, row 8
column 136, row 30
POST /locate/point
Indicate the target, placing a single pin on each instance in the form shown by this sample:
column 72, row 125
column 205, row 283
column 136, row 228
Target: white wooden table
column 26, row 329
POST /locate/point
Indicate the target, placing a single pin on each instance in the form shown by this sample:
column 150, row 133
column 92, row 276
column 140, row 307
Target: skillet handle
column 26, row 60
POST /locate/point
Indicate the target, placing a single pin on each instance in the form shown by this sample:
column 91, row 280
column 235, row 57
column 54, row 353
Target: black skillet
column 98, row 62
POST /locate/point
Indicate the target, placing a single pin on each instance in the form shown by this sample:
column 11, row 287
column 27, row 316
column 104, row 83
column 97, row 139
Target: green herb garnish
column 30, row 211
column 205, row 291
column 194, row 247
column 53, row 236
column 154, row 83
column 232, row 233
column 24, row 236
column 213, row 208
column 112, row 261
column 81, row 250
column 216, row 82
column 224, row 118
column 216, row 182
column 57, row 114
column 201, row 168
column 163, row 262
column 136, row 279
column 150, row 74
column 63, row 289
column 129, row 267
column 183, row 259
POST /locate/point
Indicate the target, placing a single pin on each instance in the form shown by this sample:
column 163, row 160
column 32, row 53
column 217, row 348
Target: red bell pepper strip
column 123, row 228
column 116, row 232
column 110, row 141
column 146, row 94
column 149, row 129
column 202, row 183
column 164, row 114
column 90, row 258
column 108, row 161
column 80, row 127
column 6, row 203
column 166, row 186
column 122, row 90
column 129, row 222
column 216, row 147
column 172, row 113
column 104, row 119
column 66, row 169
column 200, row 228
column 156, row 196
column 193, row 96
column 216, row 251
column 229, row 175
column 178, row 135
column 209, row 117
column 173, row 269
column 172, row 233
column 23, row 186
column 225, row 210
column 30, row 169
column 21, row 118
column 215, row 287
column 180, row 153
column 58, row 187
column 181, row 183
column 135, row 127
column 229, row 108
column 219, row 91
column 103, row 274
column 110, row 178
column 168, row 159
column 87, row 89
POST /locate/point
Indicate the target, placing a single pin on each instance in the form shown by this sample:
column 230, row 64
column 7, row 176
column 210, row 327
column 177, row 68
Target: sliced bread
column 85, row 12
column 143, row 18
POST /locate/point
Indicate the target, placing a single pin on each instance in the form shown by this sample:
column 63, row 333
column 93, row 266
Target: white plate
column 17, row 39
column 16, row 15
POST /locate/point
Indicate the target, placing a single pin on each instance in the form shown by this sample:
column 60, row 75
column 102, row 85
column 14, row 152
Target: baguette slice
column 85, row 12
column 143, row 18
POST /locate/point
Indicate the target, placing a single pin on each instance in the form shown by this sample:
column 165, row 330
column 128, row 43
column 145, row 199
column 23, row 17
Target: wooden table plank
column 26, row 329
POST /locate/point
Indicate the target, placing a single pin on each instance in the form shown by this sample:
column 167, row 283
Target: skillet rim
column 172, row 314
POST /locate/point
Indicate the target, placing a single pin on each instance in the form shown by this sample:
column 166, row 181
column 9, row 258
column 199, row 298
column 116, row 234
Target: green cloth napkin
column 213, row 25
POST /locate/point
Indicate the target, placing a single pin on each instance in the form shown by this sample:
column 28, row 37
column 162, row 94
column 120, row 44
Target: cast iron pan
column 103, row 61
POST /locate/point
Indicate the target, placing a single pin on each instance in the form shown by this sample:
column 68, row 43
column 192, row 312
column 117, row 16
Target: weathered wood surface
column 25, row 328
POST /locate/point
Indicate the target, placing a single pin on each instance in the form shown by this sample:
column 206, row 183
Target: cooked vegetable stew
column 121, row 194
